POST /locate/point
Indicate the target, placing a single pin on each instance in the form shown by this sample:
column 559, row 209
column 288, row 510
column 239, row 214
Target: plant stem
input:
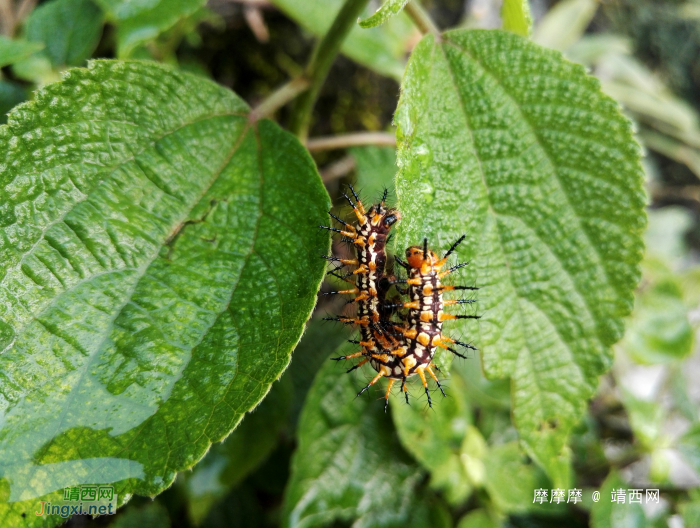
column 279, row 98
column 323, row 55
column 421, row 18
column 351, row 140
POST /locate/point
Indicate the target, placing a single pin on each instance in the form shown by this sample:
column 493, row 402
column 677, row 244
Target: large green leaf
column 160, row 258
column 382, row 49
column 70, row 29
column 517, row 148
column 138, row 21
column 349, row 465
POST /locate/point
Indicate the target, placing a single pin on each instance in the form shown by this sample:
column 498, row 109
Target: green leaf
column 376, row 168
column 690, row 510
column 689, row 446
column 138, row 22
column 319, row 340
column 70, row 29
column 435, row 436
column 348, row 466
column 160, row 259
column 510, row 481
column 646, row 419
column 388, row 9
column 565, row 23
column 517, row 148
column 15, row 50
column 380, row 49
column 478, row 519
column 659, row 330
column 608, row 514
column 228, row 463
column 516, row 17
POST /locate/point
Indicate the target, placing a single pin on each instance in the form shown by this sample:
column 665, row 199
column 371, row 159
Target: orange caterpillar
column 371, row 286
column 422, row 331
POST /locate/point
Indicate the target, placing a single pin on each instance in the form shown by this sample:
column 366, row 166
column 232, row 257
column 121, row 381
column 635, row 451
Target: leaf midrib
column 109, row 171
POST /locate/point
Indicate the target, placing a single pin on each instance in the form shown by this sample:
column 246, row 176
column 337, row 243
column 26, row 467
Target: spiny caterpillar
column 422, row 330
column 370, row 288
column 400, row 349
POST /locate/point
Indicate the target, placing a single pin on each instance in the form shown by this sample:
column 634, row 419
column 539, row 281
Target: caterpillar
column 396, row 350
column 422, row 331
column 371, row 286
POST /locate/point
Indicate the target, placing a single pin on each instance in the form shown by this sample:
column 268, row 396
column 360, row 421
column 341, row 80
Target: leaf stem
column 280, row 97
column 351, row 140
column 321, row 59
column 421, row 18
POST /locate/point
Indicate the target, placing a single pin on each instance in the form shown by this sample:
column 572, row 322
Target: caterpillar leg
column 453, row 288
column 443, row 274
column 351, row 356
column 348, row 320
column 357, row 208
column 432, row 375
column 442, row 262
column 349, row 234
column 345, row 262
column 375, row 380
column 446, row 317
column 357, row 366
column 421, row 373
column 404, row 389
column 388, row 392
column 460, row 343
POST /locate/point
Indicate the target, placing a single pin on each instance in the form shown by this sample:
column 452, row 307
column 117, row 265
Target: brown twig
column 351, row 140
column 338, row 169
column 254, row 18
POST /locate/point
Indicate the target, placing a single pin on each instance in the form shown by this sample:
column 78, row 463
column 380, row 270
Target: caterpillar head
column 415, row 259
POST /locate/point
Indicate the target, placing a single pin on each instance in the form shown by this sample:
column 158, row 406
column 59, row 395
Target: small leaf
column 565, row 23
column 15, row 50
column 512, row 145
column 503, row 464
column 139, row 22
column 516, row 17
column 608, row 514
column 160, row 259
column 434, row 437
column 70, row 29
column 388, row 9
column 380, row 49
column 348, row 465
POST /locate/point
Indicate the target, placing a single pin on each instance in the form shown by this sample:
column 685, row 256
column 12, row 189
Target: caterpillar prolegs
column 398, row 339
